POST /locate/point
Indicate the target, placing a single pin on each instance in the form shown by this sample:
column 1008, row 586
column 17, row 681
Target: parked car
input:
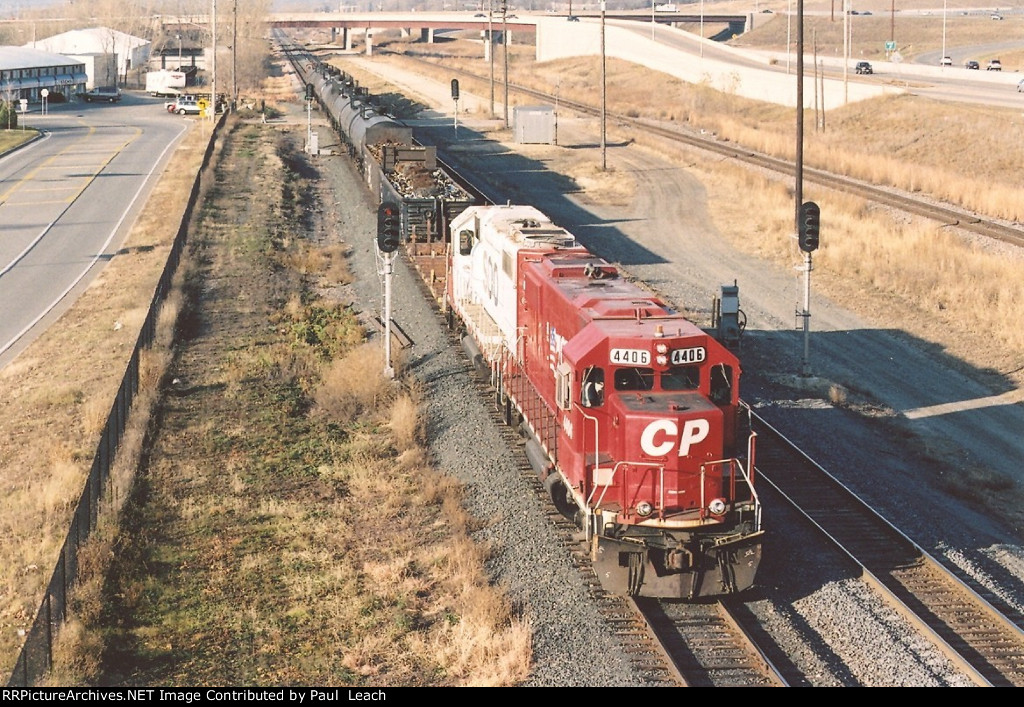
column 109, row 94
column 573, row 18
column 972, row 64
column 190, row 103
column 172, row 105
column 188, row 106
column 864, row 67
column 994, row 65
column 945, row 61
column 1020, row 86
column 996, row 16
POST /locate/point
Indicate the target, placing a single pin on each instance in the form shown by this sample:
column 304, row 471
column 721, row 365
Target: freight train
column 395, row 167
column 631, row 412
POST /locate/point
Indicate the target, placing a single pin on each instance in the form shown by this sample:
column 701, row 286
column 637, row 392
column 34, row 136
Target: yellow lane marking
column 78, row 183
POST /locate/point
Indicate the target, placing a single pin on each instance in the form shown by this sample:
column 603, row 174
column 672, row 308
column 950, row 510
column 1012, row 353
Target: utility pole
column 234, row 55
column 798, row 187
column 504, row 44
column 846, row 52
column 604, row 96
column 490, row 47
column 213, row 63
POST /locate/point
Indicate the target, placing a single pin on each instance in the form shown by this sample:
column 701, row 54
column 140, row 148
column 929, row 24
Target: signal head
column 809, row 224
column 388, row 227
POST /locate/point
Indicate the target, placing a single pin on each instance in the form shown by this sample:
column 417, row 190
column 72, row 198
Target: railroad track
column 975, row 629
column 712, row 644
column 945, row 214
column 969, row 626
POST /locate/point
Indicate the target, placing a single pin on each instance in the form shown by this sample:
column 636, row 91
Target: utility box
column 728, row 318
column 534, row 124
column 314, row 143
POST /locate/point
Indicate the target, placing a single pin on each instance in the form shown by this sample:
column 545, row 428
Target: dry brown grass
column 273, row 539
column 406, row 425
column 78, row 648
column 346, row 392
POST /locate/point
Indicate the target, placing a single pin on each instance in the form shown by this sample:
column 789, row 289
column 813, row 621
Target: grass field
column 10, row 139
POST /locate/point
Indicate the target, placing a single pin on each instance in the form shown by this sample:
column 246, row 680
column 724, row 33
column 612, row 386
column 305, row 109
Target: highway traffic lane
column 44, row 183
column 73, row 206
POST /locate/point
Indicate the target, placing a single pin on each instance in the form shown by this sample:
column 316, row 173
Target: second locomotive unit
column 632, row 412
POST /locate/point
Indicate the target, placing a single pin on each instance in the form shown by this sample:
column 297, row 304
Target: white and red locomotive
column 632, row 412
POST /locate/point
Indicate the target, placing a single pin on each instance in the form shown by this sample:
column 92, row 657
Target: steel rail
column 984, row 640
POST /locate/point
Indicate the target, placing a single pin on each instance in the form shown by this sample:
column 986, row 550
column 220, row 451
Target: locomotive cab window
column 721, row 384
column 634, row 378
column 592, row 388
column 681, row 378
column 466, row 238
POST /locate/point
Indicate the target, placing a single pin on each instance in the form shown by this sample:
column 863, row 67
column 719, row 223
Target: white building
column 25, row 72
column 129, row 52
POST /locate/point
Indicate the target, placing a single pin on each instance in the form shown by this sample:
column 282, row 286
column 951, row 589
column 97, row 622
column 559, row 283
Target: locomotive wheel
column 559, row 493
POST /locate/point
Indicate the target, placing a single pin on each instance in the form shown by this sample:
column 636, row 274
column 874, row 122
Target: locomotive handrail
column 615, row 470
column 597, row 449
column 733, row 465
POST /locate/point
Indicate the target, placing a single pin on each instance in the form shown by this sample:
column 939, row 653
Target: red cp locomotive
column 632, row 412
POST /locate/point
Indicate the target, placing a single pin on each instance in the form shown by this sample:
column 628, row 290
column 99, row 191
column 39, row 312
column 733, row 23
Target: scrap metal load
column 410, row 176
column 396, row 169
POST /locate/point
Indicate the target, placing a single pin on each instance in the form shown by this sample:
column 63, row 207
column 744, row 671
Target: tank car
column 632, row 413
column 394, row 167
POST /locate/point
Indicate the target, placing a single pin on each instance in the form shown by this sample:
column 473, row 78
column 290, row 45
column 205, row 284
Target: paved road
column 68, row 200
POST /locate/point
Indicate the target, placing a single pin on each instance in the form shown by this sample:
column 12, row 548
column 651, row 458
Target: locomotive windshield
column 681, row 378
column 634, row 378
column 675, row 378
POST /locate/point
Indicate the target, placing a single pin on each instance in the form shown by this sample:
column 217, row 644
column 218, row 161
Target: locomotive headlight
column 662, row 360
column 717, row 506
column 661, row 348
column 644, row 508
